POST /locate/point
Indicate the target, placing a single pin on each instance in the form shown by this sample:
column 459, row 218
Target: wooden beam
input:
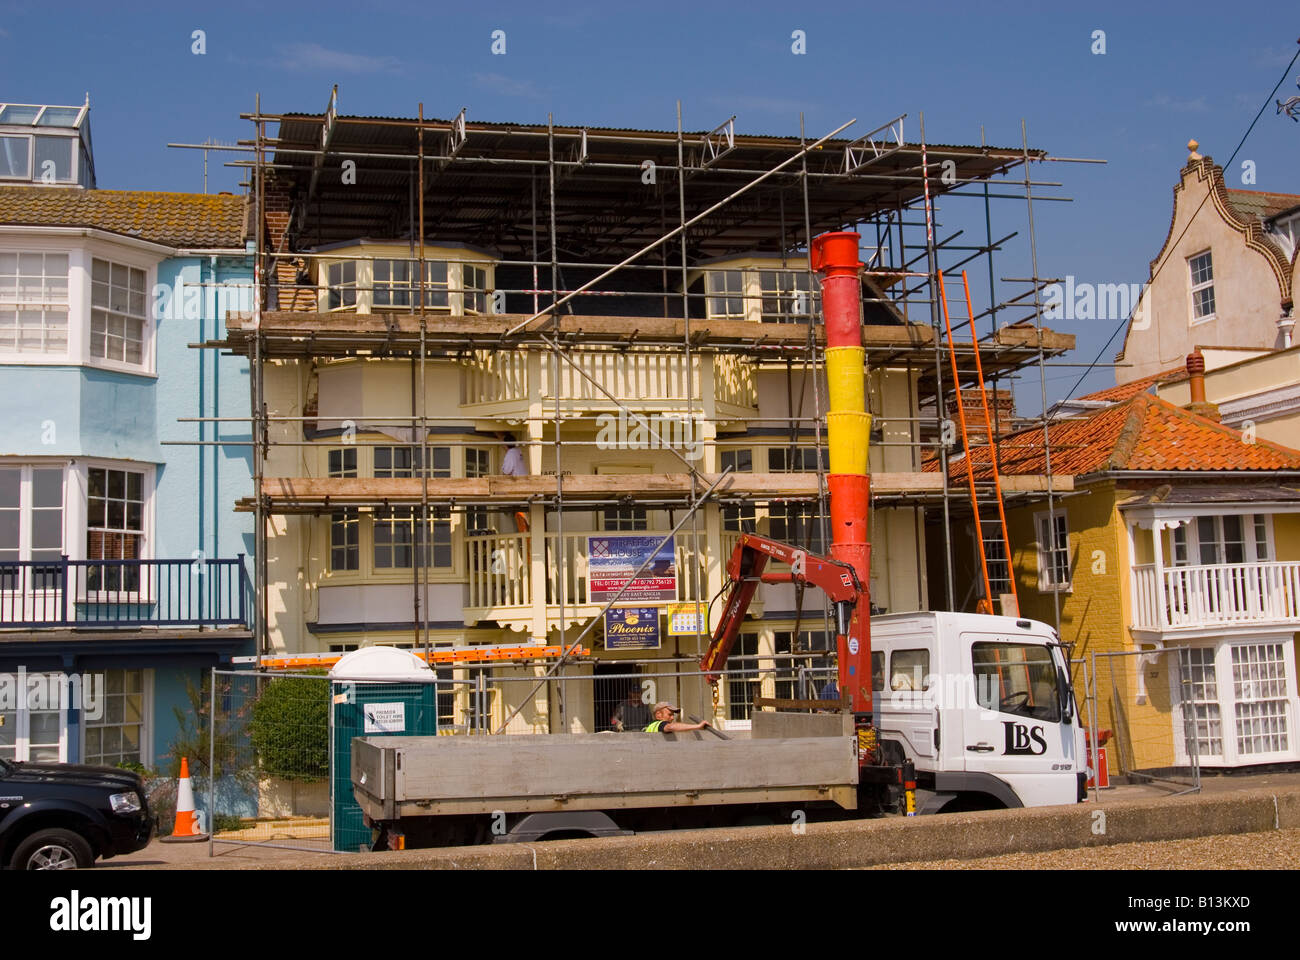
column 287, row 491
column 664, row 330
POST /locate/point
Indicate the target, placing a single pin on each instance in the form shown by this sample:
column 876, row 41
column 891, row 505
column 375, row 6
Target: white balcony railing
column 646, row 379
column 1215, row 594
column 501, row 583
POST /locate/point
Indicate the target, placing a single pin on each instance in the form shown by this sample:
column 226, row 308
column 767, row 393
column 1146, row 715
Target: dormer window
column 788, row 296
column 44, row 145
column 342, row 286
column 394, row 284
column 475, row 284
column 385, row 283
column 726, row 290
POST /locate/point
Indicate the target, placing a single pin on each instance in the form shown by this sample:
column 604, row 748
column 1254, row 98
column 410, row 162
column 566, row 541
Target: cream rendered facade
column 1255, row 390
column 1252, row 276
column 335, row 580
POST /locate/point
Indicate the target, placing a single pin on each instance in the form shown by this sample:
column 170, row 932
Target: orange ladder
column 990, row 517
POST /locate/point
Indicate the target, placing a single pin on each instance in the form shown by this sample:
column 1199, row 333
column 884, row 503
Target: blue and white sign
column 612, row 560
column 632, row 628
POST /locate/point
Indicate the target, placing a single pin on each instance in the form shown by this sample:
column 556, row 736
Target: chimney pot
column 1196, row 374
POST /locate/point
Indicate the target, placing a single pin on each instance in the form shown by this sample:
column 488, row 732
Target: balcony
column 505, row 383
column 111, row 594
column 501, row 575
column 1215, row 595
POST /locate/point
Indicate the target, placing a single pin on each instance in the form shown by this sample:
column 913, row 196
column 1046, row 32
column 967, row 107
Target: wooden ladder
column 990, row 513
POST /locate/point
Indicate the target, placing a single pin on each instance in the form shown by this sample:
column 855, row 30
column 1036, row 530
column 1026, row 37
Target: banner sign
column 632, row 628
column 687, row 620
column 612, row 560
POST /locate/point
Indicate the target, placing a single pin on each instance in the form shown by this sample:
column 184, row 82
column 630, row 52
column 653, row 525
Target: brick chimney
column 1002, row 413
column 1196, row 377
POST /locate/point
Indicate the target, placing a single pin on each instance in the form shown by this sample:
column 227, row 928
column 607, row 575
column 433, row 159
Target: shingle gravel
column 1271, row 850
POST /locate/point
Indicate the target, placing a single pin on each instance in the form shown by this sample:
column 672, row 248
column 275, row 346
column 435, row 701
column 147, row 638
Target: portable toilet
column 376, row 692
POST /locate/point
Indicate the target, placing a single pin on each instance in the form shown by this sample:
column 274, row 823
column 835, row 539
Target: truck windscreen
column 1017, row 678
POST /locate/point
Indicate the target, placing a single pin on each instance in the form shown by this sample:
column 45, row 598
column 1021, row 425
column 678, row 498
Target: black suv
column 56, row 816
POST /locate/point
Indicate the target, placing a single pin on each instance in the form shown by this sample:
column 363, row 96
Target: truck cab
column 983, row 707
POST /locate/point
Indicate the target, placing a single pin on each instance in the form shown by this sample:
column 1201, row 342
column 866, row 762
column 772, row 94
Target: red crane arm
column 746, row 571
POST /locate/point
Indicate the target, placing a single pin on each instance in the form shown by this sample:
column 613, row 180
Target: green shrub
column 290, row 728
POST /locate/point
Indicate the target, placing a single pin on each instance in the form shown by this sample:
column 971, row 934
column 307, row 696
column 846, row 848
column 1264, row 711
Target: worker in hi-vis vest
column 663, row 721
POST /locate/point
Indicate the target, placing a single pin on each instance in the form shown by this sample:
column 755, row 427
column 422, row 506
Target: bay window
column 34, row 302
column 117, row 315
column 1236, row 702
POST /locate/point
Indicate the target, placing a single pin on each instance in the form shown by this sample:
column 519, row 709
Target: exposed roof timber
column 470, row 199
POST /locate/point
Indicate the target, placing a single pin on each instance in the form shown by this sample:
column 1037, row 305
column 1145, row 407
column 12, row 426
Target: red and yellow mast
column 835, row 257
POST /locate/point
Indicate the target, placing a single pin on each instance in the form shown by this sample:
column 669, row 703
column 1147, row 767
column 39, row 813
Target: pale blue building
column 122, row 562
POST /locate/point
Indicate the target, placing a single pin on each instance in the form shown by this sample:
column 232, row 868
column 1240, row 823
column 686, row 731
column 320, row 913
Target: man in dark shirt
column 664, row 723
column 631, row 714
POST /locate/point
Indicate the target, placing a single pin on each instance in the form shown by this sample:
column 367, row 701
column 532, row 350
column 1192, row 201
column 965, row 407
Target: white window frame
column 787, row 291
column 30, row 602
column 33, row 175
column 146, row 719
column 142, row 593
column 1194, row 288
column 355, row 285
column 44, row 303
column 22, row 726
column 81, row 290
column 1046, row 566
column 1190, row 532
column 1227, row 701
column 713, row 298
column 467, row 293
column 25, row 508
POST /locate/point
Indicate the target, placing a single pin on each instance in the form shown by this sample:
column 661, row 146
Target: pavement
column 1133, row 816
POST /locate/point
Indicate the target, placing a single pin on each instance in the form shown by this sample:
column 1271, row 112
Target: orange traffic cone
column 187, row 828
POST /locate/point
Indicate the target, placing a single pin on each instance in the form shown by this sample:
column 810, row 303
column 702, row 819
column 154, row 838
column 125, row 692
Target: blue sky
column 1201, row 72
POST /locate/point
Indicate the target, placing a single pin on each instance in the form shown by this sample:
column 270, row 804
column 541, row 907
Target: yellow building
column 1181, row 535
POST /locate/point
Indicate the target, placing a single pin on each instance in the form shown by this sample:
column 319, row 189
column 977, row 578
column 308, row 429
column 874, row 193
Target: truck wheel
column 53, row 850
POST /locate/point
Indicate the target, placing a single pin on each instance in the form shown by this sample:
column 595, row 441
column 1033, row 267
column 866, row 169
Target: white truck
column 980, row 706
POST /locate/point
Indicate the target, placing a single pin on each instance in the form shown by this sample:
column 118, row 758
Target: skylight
column 39, row 115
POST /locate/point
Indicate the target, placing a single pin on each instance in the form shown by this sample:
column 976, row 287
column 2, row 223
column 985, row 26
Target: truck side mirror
column 1067, row 697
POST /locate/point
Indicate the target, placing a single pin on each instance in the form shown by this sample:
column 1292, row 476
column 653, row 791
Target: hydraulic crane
column 845, row 575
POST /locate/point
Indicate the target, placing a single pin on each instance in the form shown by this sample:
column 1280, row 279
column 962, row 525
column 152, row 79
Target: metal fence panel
column 1143, row 708
column 267, row 778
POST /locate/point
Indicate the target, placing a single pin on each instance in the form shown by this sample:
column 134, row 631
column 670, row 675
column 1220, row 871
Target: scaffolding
column 625, row 223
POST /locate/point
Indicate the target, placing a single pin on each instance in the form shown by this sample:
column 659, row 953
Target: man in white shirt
column 513, row 465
